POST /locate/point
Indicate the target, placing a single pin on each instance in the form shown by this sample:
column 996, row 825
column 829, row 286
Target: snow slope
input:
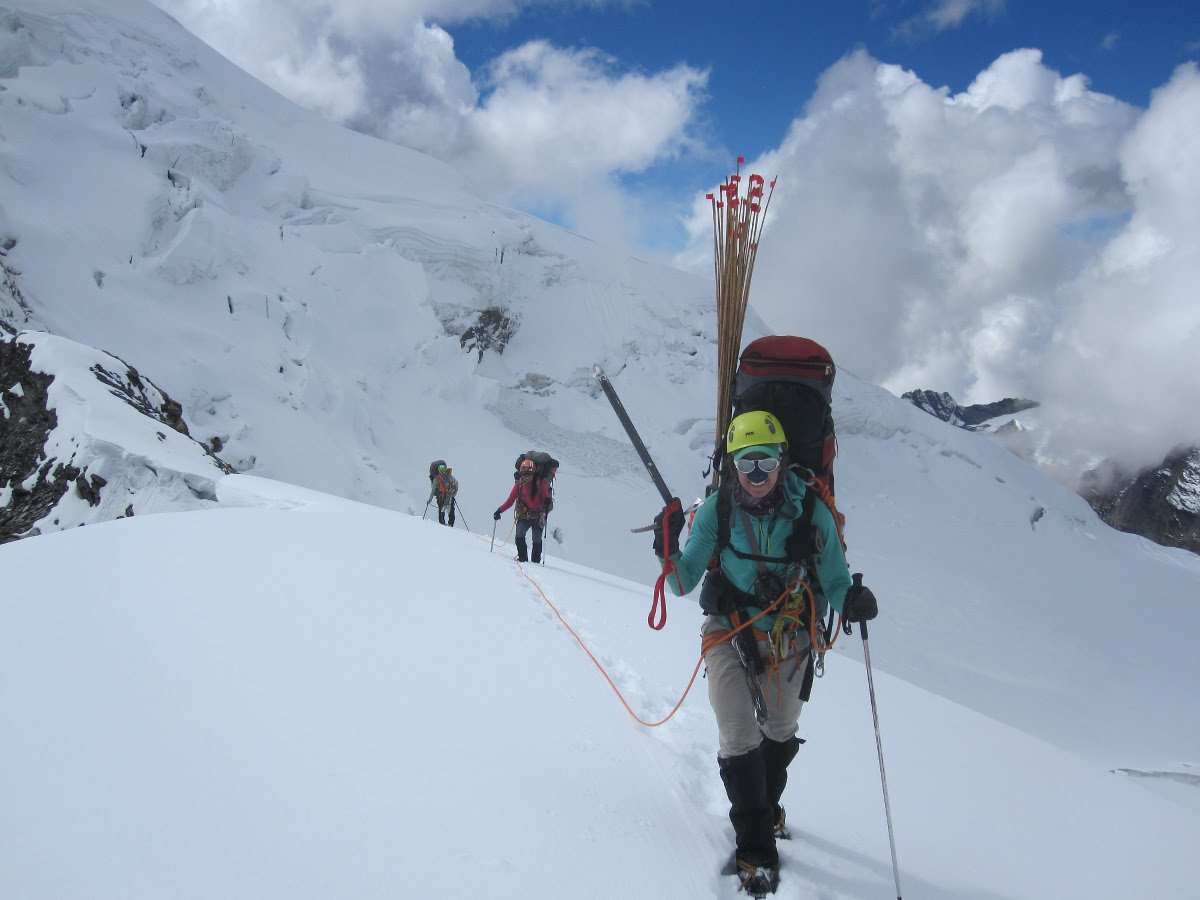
column 298, row 696
column 234, row 701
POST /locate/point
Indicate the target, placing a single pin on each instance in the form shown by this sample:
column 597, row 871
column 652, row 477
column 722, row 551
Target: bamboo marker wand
column 737, row 225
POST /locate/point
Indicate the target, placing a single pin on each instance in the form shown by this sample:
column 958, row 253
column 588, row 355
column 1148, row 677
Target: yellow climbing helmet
column 752, row 429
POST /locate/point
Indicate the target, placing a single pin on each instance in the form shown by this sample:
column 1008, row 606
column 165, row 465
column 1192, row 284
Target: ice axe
column 660, row 594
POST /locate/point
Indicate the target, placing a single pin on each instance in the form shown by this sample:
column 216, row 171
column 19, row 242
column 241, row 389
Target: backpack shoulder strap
column 802, row 546
column 807, row 541
column 724, row 511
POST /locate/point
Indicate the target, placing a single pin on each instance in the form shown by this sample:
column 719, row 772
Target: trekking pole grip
column 862, row 626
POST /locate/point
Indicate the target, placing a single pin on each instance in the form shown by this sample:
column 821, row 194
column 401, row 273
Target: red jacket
column 532, row 499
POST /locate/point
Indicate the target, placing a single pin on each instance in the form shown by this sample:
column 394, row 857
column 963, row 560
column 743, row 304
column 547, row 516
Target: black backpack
column 433, row 468
column 792, row 378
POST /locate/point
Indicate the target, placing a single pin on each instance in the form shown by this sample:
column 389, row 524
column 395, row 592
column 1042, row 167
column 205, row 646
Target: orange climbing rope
column 704, row 649
column 607, row 678
column 709, row 641
column 511, row 528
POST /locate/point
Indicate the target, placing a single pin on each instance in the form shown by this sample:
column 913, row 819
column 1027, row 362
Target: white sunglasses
column 746, row 466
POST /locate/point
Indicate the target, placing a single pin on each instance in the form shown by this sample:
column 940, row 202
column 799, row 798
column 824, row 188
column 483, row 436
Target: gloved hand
column 672, row 513
column 860, row 604
column 496, row 515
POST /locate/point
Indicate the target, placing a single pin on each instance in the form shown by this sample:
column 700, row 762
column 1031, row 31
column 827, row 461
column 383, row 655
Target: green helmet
column 752, row 429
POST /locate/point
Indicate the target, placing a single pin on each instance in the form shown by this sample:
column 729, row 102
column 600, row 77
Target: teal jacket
column 772, row 532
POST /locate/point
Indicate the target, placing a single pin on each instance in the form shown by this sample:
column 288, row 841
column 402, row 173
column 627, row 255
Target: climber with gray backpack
column 444, row 486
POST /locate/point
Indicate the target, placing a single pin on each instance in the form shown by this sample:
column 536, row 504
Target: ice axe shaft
column 609, row 392
column 660, row 590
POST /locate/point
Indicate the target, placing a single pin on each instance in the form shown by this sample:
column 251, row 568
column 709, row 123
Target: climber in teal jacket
column 771, row 530
column 771, row 527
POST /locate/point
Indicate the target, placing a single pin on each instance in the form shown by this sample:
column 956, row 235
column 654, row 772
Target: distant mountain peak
column 945, row 407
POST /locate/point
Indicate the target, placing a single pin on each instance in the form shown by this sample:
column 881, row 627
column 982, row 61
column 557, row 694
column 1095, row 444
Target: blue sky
column 765, row 60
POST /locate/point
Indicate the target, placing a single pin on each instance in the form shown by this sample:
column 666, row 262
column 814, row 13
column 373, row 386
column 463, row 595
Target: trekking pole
column 458, row 509
column 887, row 807
column 545, row 534
column 427, row 502
column 494, row 524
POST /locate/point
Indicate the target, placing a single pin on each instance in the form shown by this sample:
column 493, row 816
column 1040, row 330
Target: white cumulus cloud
column 1124, row 371
column 1027, row 237
column 542, row 127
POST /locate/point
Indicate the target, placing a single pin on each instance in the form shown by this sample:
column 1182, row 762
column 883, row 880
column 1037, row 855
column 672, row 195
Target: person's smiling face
column 758, row 483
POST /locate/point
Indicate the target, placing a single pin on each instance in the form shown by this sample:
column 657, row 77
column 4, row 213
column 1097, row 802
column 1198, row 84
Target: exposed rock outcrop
column 30, row 485
column 85, row 438
column 1161, row 503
